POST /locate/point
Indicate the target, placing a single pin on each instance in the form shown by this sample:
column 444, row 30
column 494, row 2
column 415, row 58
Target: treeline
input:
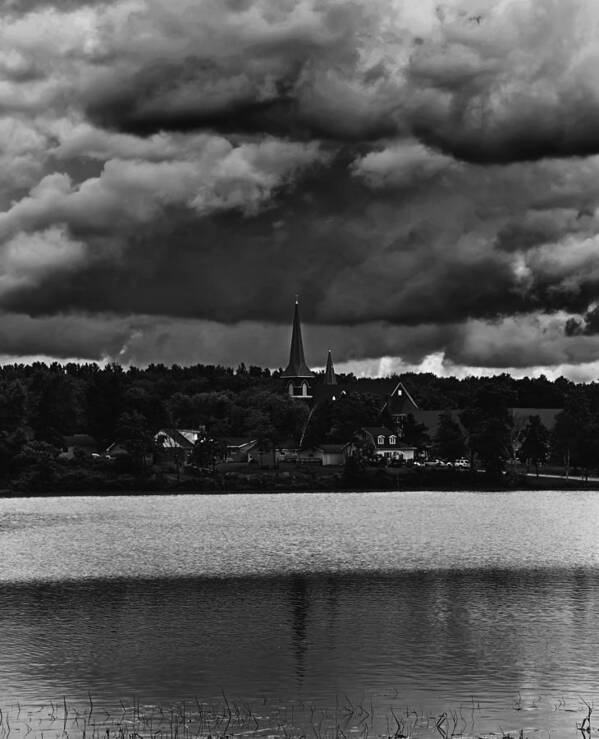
column 61, row 399
column 432, row 392
column 64, row 399
column 41, row 404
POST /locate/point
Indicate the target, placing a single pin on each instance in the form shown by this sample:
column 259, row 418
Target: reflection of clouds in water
column 308, row 638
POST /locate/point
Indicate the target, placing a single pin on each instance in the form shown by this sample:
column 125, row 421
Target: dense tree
column 575, row 438
column 275, row 416
column 449, row 442
column 335, row 421
column 488, row 423
column 105, row 391
column 56, row 404
column 134, row 434
column 414, row 434
column 534, row 447
column 13, row 400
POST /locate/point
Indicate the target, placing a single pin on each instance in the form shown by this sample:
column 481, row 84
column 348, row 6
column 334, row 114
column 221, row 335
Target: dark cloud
column 503, row 90
column 281, row 98
column 427, row 182
column 22, row 7
column 521, row 146
column 354, row 254
column 63, row 336
column 586, row 325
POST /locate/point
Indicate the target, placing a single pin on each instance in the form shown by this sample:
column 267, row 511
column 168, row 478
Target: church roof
column 401, row 401
column 297, row 366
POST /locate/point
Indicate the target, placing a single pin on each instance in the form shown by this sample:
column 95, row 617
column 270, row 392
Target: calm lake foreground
column 284, row 614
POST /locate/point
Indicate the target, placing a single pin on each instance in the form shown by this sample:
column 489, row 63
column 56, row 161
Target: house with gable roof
column 171, row 442
column 386, row 443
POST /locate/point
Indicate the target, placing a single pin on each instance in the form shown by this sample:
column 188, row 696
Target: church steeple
column 298, row 374
column 329, row 374
column 297, row 366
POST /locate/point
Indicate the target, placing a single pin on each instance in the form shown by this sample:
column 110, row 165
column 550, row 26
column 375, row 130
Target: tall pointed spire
column 297, row 366
column 329, row 373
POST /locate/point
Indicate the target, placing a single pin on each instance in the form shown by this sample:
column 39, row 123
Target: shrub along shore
column 73, row 480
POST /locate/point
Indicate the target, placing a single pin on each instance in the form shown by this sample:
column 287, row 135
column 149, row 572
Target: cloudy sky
column 424, row 174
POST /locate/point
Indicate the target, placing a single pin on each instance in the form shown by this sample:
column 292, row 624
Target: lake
column 323, row 614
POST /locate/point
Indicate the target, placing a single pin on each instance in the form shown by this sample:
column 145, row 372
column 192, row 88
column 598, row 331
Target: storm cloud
column 425, row 175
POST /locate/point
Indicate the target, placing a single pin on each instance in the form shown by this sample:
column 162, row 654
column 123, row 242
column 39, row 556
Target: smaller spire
column 329, row 374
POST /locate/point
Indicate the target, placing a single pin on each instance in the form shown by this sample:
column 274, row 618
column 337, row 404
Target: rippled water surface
column 331, row 606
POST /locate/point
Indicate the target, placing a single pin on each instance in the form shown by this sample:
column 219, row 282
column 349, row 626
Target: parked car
column 461, row 463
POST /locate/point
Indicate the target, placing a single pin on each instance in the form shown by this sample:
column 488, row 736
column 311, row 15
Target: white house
column 386, row 443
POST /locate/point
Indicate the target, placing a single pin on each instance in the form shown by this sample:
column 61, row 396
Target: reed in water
column 228, row 719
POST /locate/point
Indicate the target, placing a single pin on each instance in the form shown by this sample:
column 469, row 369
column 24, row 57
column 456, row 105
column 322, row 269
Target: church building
column 300, row 381
column 306, row 386
column 396, row 402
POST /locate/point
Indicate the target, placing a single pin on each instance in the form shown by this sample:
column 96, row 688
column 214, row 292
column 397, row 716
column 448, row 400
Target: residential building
column 238, row 449
column 77, row 444
column 171, row 442
column 333, row 455
column 386, row 443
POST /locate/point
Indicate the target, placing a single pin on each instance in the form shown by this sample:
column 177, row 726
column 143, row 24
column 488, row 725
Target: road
column 563, row 477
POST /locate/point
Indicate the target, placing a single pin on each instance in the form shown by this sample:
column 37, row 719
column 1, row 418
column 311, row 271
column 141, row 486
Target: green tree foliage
column 11, row 445
column 414, row 433
column 575, row 438
column 432, row 392
column 534, row 448
column 335, row 421
column 13, row 405
column 206, row 451
column 134, row 434
column 488, row 423
column 56, row 404
column 449, row 442
column 275, row 416
column 35, row 465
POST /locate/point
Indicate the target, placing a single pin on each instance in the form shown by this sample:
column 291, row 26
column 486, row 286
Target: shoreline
column 522, row 484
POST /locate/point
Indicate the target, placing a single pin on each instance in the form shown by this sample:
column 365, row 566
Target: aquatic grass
column 231, row 719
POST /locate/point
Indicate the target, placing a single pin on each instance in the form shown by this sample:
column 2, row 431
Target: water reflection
column 299, row 601
column 432, row 640
column 325, row 602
